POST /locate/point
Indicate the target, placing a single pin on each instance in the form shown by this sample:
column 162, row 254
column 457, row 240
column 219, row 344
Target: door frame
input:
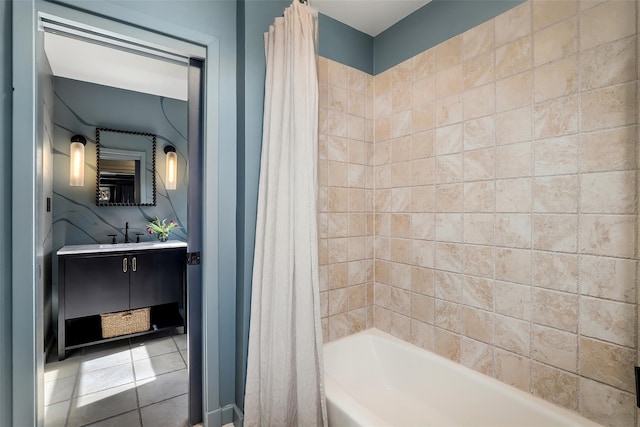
column 27, row 347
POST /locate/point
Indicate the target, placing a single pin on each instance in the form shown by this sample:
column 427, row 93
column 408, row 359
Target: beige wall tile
column 337, row 250
column 556, row 156
column 356, row 104
column 423, row 144
column 555, row 309
column 448, row 227
column 556, row 117
column 382, row 129
column 337, row 74
column 422, row 281
column 448, row 53
column 479, row 196
column 478, row 292
column 423, row 226
column 479, row 133
column 338, row 199
column 449, row 197
column 400, row 326
column 401, row 199
column 608, row 320
column 356, row 80
column 338, row 326
column 554, row 347
column 555, row 232
column 323, row 69
column 547, row 12
column 449, row 110
column 607, row 363
column 356, row 177
column 612, row 149
column 607, row 22
column 422, row 308
column 556, row 79
column 402, row 73
column 338, row 99
column 400, row 301
column 423, row 253
column 513, row 24
column 513, row 58
column 555, row 42
column 479, row 164
column 338, row 301
column 449, row 139
column 512, row 369
column 401, row 225
column 422, row 335
column 401, row 250
column 553, row 270
column 512, row 334
column 449, row 257
column 477, row 324
column 605, row 404
column 401, row 99
column 478, row 40
column 382, row 319
column 400, row 276
column 514, row 126
column 447, row 344
column 401, row 174
column 608, row 235
column 477, row 356
column 513, row 265
column 554, row 385
column 423, row 171
column 513, row 230
column 424, row 91
column 357, row 320
column 337, row 123
column 449, row 81
column 611, row 278
column 609, row 107
column 449, row 168
column 478, row 70
column 479, row 228
column 338, row 225
column 423, row 117
column 423, row 198
column 608, row 64
column 556, row 194
column 514, row 160
column 514, row 92
column 424, row 65
column 513, row 300
column 449, row 315
column 401, row 124
column 608, row 192
column 479, row 102
column 513, row 195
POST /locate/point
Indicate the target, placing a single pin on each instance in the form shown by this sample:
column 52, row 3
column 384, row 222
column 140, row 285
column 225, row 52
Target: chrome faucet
column 126, row 232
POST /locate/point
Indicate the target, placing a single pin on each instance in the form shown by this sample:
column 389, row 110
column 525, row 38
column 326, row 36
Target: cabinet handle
column 134, row 264
column 124, row 265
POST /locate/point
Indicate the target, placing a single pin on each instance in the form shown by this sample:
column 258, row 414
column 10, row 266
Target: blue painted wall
column 430, row 25
column 345, row 44
column 5, row 213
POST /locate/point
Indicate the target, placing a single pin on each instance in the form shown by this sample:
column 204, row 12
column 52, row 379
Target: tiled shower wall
column 493, row 218
column 345, row 200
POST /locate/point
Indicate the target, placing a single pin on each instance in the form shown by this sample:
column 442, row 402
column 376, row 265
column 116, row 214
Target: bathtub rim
column 343, row 400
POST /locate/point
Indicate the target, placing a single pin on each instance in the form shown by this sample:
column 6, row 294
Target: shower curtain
column 285, row 385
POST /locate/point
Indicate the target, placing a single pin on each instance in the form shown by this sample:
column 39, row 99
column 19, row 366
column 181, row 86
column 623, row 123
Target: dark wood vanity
column 99, row 279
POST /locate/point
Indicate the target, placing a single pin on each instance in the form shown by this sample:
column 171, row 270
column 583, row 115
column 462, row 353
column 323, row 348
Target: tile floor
column 137, row 382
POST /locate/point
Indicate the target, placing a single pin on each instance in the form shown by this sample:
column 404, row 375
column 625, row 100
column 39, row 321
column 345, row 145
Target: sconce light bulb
column 171, row 168
column 76, row 161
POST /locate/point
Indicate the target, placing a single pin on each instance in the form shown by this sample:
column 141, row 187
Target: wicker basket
column 125, row 322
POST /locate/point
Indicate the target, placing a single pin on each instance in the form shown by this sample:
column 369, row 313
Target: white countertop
column 119, row 247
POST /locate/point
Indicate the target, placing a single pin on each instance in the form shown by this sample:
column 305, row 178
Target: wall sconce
column 76, row 161
column 171, row 168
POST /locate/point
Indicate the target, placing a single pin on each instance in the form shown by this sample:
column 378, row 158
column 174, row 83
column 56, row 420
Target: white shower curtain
column 285, row 385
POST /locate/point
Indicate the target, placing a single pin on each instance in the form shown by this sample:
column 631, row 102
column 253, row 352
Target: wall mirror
column 126, row 168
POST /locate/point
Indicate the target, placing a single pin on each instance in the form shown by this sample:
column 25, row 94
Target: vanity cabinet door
column 95, row 285
column 157, row 277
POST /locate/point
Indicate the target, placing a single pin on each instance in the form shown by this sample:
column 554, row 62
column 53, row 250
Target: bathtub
column 375, row 379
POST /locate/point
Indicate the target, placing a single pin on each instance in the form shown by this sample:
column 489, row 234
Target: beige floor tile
column 92, row 382
column 99, row 406
column 156, row 389
column 130, row 419
column 56, row 415
column 58, row 390
column 169, row 413
column 158, row 365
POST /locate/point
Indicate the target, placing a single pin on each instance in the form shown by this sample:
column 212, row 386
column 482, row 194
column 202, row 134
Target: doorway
column 29, row 344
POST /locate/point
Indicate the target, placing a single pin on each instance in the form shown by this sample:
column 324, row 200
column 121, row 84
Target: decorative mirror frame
column 153, row 166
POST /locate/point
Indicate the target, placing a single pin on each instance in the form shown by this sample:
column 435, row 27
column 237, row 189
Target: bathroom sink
column 117, row 247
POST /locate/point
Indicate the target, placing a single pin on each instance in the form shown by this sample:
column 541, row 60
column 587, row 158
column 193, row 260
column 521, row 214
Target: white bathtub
column 375, row 379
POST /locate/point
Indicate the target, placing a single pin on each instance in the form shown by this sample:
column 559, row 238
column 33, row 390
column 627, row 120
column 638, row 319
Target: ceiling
column 89, row 62
column 369, row 16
